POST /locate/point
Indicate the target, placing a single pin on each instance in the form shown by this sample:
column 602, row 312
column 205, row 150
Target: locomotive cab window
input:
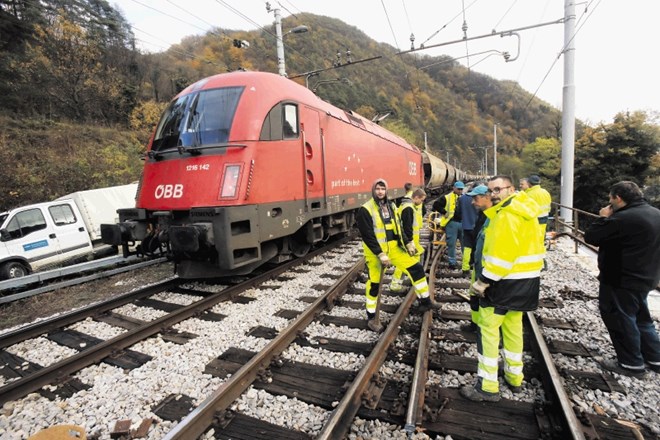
column 281, row 123
column 198, row 119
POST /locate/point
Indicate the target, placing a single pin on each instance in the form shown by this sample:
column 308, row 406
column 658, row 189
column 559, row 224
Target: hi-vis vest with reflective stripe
column 513, row 248
column 450, row 207
column 543, row 198
column 418, row 220
column 379, row 226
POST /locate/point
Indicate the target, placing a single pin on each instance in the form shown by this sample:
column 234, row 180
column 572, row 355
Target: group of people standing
column 502, row 233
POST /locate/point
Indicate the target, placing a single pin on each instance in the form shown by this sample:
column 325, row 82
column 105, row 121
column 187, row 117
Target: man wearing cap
column 524, row 184
column 446, row 206
column 468, row 215
column 481, row 201
column 542, row 197
column 508, row 286
column 383, row 245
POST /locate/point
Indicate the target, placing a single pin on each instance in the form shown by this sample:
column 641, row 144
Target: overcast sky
column 616, row 43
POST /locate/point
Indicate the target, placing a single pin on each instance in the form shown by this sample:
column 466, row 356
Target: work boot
column 471, row 393
column 425, row 304
column 466, row 274
column 469, row 328
column 375, row 325
column 515, row 389
column 655, row 367
column 614, row 366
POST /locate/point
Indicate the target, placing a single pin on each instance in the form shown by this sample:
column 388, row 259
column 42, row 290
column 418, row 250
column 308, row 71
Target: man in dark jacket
column 628, row 236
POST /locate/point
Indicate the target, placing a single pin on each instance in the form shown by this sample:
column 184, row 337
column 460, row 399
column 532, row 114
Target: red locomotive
column 250, row 167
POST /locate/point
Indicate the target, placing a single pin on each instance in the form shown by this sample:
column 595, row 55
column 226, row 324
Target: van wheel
column 13, row 270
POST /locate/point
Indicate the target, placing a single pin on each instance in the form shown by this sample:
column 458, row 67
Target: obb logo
column 169, row 191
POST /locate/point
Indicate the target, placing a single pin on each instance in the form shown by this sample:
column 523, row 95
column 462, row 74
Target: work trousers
column 397, row 276
column 626, row 315
column 454, row 231
column 400, row 260
column 468, row 242
column 490, row 321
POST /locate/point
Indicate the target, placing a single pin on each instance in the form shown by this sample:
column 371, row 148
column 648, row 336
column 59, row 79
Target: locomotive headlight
column 229, row 186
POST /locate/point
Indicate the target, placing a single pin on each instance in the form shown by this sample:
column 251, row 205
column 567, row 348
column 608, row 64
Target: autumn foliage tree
column 623, row 150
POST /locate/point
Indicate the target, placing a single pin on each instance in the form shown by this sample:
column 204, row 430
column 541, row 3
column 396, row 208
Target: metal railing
column 572, row 229
column 580, row 219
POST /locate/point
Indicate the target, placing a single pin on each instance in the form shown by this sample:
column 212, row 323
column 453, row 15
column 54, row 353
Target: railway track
column 312, row 351
column 48, row 281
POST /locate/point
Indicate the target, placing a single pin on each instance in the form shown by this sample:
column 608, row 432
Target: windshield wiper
column 194, row 151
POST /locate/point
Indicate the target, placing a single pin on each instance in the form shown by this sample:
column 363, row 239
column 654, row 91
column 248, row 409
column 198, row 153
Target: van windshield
column 198, row 119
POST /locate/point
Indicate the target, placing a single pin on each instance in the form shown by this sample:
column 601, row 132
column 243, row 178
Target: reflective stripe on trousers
column 399, row 259
column 488, row 340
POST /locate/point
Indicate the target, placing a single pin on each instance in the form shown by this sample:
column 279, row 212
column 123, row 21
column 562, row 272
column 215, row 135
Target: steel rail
column 199, row 420
column 76, row 281
column 56, row 322
column 342, row 416
column 554, row 382
column 415, row 412
column 98, row 352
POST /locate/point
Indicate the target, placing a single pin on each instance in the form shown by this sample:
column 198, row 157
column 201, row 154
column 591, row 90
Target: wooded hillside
column 79, row 100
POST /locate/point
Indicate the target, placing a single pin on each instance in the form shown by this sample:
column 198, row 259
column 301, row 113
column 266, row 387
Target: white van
column 51, row 234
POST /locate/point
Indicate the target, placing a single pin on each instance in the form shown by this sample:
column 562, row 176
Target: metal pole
column 568, row 112
column 495, row 149
column 280, row 43
column 486, row 159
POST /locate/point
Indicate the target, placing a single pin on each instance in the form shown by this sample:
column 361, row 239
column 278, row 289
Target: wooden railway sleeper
column 374, row 391
column 546, row 428
column 278, row 360
column 398, row 408
column 588, row 428
column 611, row 382
column 433, row 415
column 223, row 418
column 264, row 375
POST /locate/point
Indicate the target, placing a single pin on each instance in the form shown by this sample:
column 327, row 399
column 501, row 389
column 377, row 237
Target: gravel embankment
column 178, row 368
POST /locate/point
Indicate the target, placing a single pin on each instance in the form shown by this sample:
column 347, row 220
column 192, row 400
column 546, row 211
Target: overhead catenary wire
column 266, row 31
column 448, row 23
column 563, row 49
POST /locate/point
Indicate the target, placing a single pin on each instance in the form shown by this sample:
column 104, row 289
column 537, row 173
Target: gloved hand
column 412, row 250
column 479, row 288
column 384, row 259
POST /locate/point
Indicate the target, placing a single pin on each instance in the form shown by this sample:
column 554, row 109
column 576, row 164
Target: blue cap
column 534, row 179
column 459, row 185
column 480, row 190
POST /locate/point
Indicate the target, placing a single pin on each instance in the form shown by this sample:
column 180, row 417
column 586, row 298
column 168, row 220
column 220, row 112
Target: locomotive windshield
column 198, row 119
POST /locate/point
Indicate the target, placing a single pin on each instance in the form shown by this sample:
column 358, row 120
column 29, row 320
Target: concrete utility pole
column 280, row 43
column 281, row 68
column 568, row 113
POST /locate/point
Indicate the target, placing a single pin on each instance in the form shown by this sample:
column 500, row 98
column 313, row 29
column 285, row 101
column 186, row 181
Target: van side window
column 62, row 215
column 25, row 223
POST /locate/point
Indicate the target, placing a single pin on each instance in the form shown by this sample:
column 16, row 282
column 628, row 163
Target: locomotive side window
column 281, row 123
column 199, row 118
column 25, row 223
column 290, row 121
column 62, row 215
